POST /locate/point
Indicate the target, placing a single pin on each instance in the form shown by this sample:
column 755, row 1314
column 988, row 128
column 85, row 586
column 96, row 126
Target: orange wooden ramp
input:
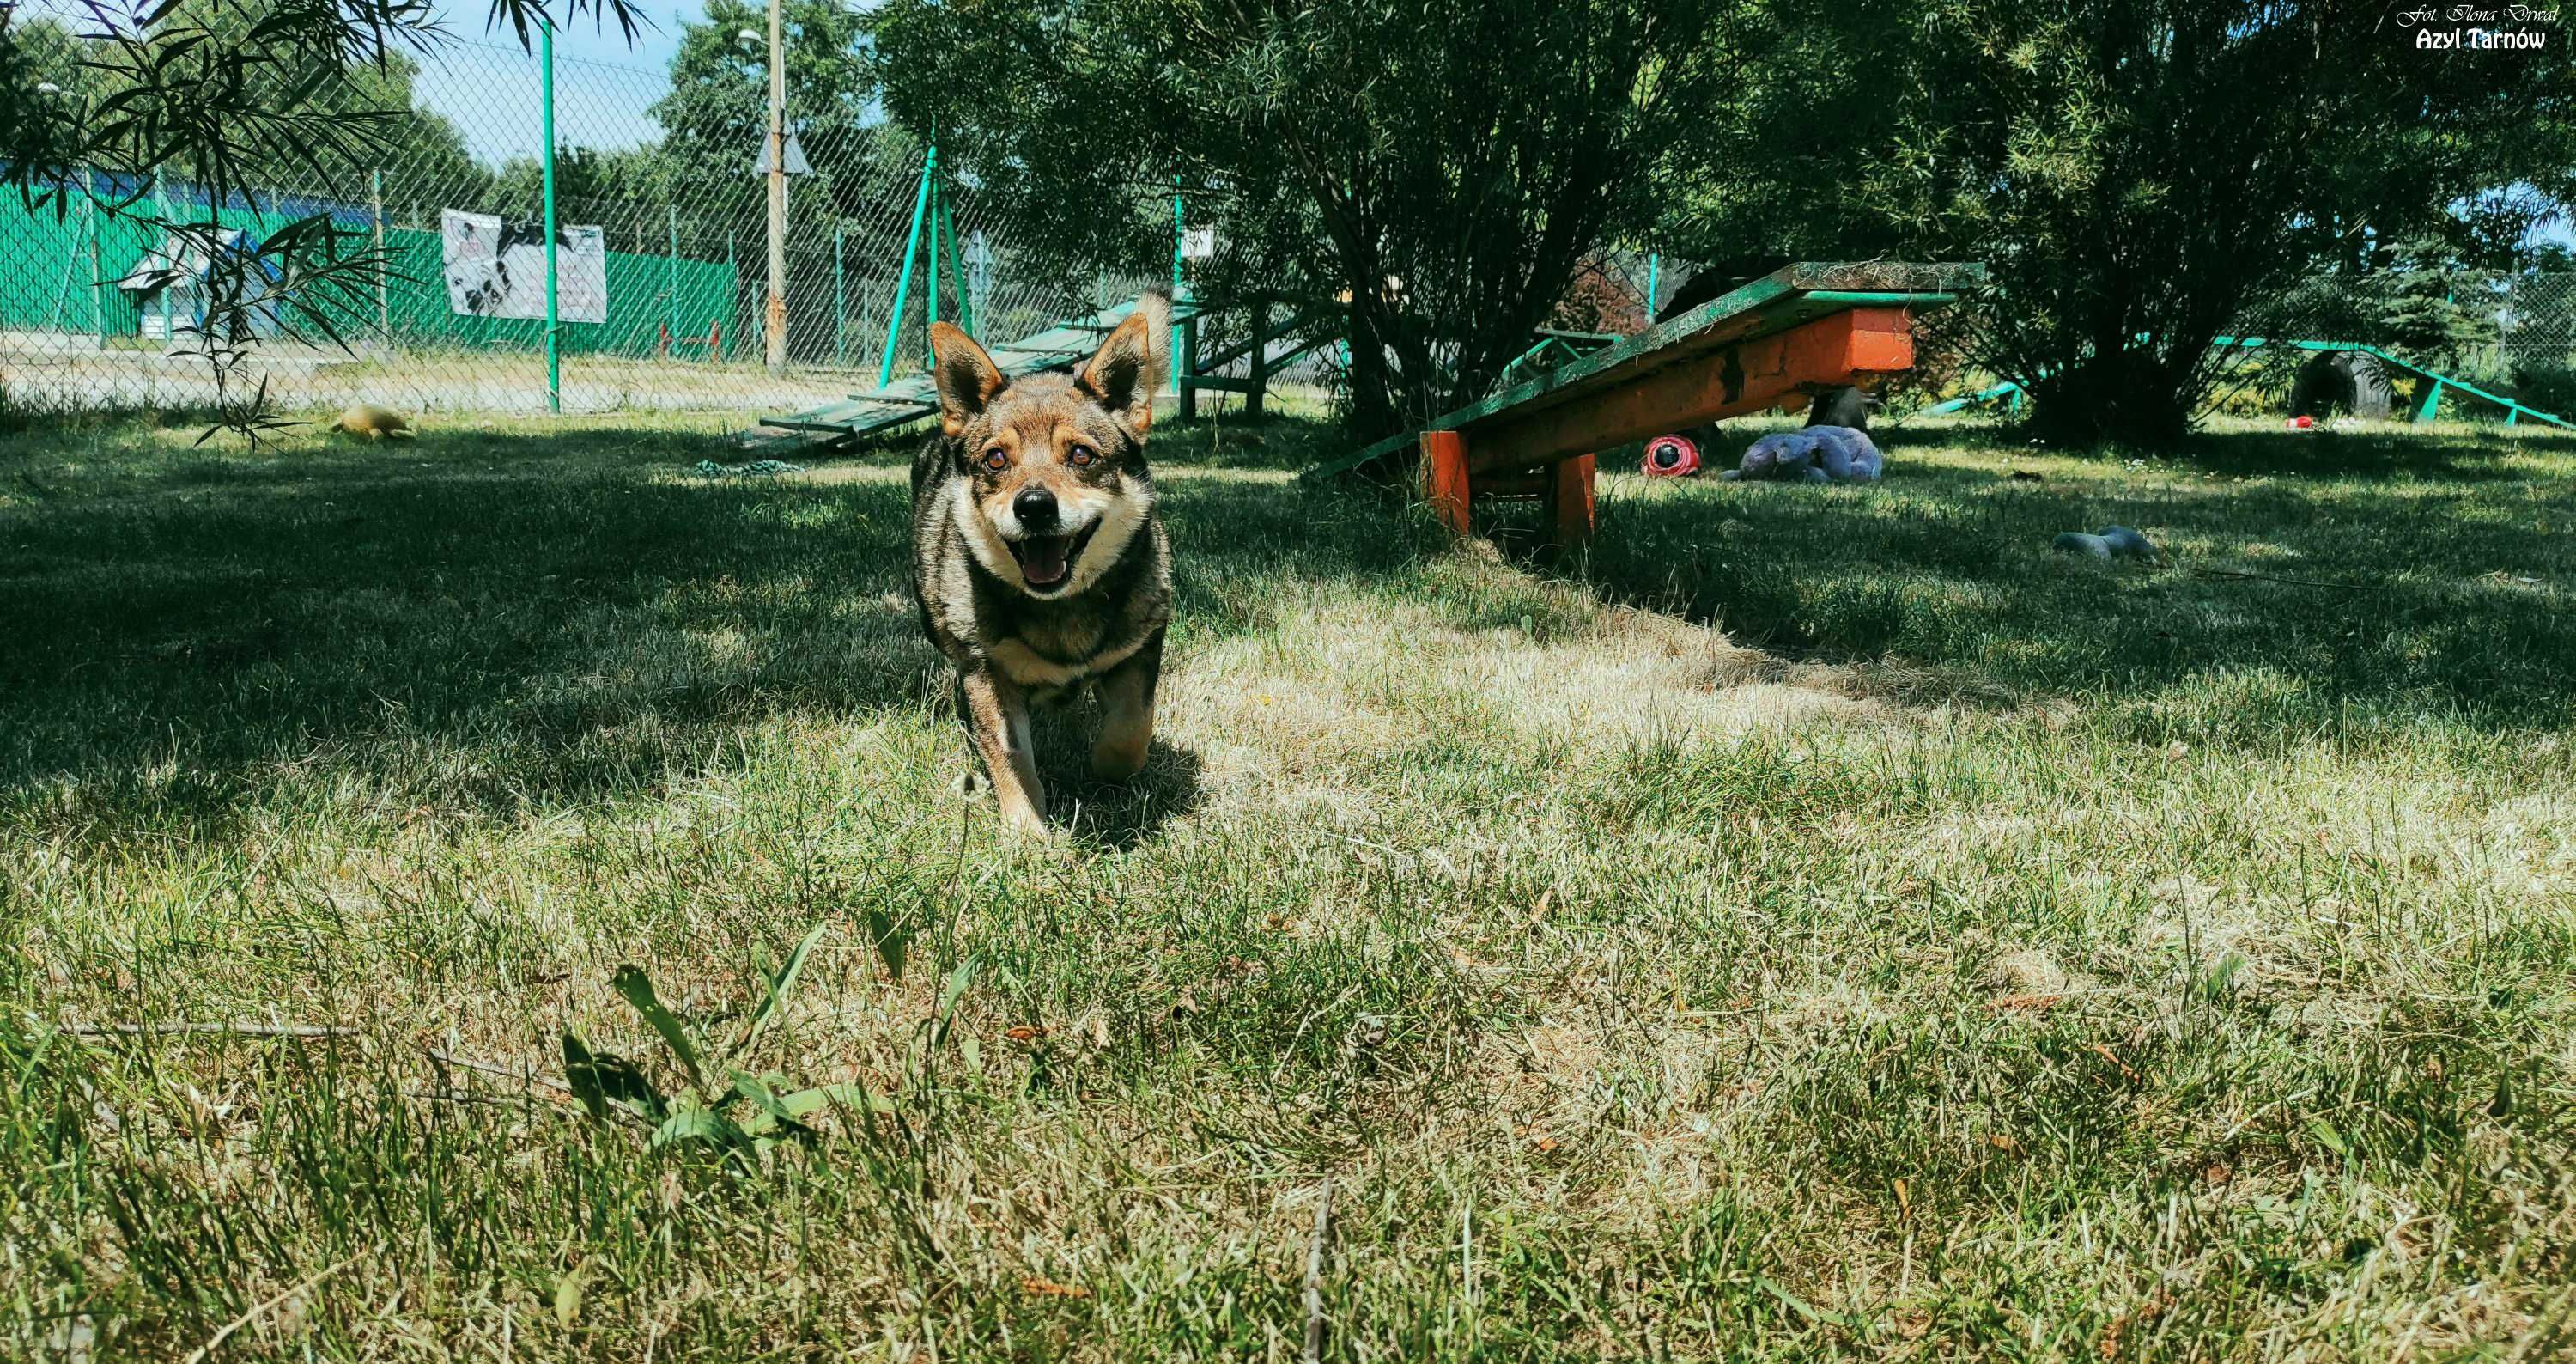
column 1795, row 332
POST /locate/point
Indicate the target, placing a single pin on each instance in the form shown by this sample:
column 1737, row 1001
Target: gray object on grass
column 2115, row 542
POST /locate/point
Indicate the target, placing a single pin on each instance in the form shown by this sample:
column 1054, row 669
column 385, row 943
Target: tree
column 2144, row 175
column 1440, row 167
column 624, row 191
column 45, row 85
column 2413, row 297
column 717, row 114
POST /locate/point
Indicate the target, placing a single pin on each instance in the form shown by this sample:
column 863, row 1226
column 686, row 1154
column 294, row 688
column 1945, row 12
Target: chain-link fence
column 662, row 259
column 2536, row 319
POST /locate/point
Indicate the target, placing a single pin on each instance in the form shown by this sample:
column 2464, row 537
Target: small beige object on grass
column 372, row 422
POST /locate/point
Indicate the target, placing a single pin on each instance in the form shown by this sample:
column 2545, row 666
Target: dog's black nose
column 1036, row 509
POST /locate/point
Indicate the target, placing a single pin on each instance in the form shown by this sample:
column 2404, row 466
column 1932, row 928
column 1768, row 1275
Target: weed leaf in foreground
column 638, row 990
column 782, row 984
column 599, row 1079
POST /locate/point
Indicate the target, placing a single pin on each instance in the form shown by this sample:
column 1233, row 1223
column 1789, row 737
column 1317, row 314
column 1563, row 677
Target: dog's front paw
column 1027, row 827
column 1117, row 760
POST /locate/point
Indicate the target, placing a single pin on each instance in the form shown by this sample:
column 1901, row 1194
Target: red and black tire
column 1674, row 456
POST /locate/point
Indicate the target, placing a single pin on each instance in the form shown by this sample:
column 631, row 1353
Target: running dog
column 1037, row 561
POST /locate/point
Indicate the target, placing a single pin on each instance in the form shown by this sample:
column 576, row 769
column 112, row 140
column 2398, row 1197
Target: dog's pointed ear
column 1131, row 365
column 968, row 379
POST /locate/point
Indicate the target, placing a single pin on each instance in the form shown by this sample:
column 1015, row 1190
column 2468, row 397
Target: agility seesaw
column 1803, row 328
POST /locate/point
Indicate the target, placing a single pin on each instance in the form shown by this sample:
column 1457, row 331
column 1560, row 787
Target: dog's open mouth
column 1046, row 561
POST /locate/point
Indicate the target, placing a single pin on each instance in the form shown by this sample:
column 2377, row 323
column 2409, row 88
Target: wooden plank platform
column 914, row 398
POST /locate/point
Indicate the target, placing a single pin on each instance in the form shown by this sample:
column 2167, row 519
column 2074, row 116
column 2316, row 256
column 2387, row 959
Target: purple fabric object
column 1818, row 454
column 1846, row 454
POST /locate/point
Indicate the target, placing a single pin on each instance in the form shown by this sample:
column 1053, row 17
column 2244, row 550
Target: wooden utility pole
column 776, row 316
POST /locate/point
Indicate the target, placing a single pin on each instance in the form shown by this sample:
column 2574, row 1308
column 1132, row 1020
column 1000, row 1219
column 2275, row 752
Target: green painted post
column 161, row 211
column 965, row 304
column 930, row 258
column 671, row 294
column 384, row 274
column 2432, row 402
column 840, row 304
column 554, row 319
column 733, row 272
column 1177, row 227
column 1654, row 281
column 903, row 280
column 97, row 285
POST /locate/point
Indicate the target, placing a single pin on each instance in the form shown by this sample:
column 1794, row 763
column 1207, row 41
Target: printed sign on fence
column 498, row 269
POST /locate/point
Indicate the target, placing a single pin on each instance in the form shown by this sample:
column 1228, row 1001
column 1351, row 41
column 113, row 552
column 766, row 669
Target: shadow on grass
column 502, row 621
column 2451, row 554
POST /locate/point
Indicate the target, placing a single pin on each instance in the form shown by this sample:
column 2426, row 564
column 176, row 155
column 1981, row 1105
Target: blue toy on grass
column 1818, row 454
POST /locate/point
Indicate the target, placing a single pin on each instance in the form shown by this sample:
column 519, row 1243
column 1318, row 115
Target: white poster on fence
column 498, row 269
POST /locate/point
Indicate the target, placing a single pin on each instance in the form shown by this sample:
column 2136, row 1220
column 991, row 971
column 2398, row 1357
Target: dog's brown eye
column 1083, row 455
column 997, row 459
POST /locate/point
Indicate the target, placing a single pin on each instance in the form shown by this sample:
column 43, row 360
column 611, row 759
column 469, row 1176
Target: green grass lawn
column 1826, row 923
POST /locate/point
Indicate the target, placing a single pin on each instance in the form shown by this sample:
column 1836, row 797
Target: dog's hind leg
column 997, row 721
column 1127, row 712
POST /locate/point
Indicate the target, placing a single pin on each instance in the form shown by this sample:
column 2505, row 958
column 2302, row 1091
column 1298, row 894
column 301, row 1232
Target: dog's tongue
column 1042, row 559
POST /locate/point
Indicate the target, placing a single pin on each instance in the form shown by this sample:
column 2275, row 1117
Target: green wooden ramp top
column 1787, row 297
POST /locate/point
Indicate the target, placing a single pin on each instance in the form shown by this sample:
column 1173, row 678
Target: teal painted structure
column 2435, row 384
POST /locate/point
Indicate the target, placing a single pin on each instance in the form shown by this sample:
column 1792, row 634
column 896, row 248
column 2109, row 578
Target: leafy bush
column 2549, row 385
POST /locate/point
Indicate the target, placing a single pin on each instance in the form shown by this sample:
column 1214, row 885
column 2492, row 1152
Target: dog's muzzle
column 1046, row 561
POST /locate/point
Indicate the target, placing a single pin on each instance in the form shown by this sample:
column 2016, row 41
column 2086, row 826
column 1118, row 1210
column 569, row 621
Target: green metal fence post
column 1176, row 283
column 840, row 304
column 97, row 285
column 384, row 276
column 930, row 258
column 1654, row 281
column 903, row 281
column 733, row 306
column 671, row 296
column 554, row 318
column 161, row 211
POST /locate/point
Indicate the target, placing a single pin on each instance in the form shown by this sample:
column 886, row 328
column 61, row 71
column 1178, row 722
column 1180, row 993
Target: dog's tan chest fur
column 1032, row 668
